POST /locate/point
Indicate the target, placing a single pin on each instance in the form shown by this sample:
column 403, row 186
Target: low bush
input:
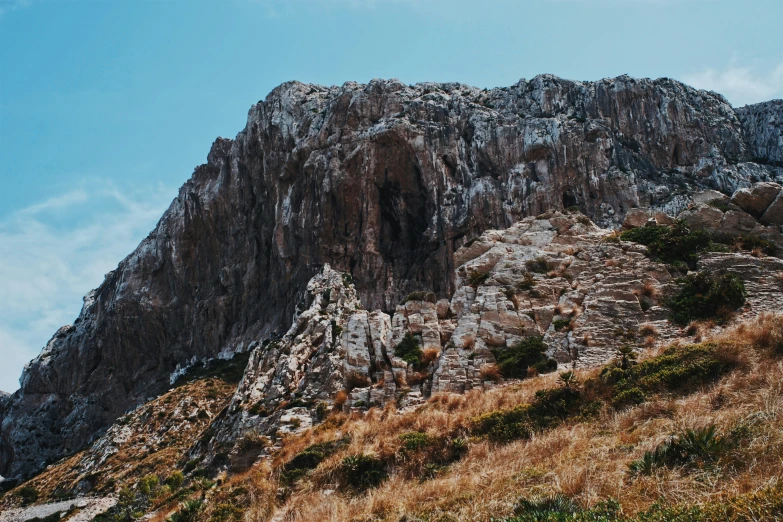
column 706, row 296
column 362, row 471
column 549, row 408
column 690, row 448
column 27, row 494
column 527, row 282
column 308, row 459
column 421, row 296
column 409, row 350
column 229, row 371
column 675, row 369
column 675, row 245
column 514, row 361
column 188, row 511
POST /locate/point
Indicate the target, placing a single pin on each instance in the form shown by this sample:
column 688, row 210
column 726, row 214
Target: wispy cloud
column 52, row 253
column 6, row 6
column 740, row 84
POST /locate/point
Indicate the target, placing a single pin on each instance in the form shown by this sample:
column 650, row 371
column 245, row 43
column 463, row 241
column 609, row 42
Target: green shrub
column 229, row 371
column 175, row 480
column 548, row 409
column 362, row 471
column 28, row 494
column 409, row 350
column 188, row 511
column 415, row 440
column 527, row 283
column 704, row 296
column 513, row 362
column 337, row 330
column 694, row 448
column 677, row 368
column 421, row 296
column 223, row 512
column 674, row 245
column 560, row 324
column 754, row 242
column 720, row 204
column 308, row 459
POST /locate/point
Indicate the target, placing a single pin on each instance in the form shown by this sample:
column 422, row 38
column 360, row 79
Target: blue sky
column 106, row 106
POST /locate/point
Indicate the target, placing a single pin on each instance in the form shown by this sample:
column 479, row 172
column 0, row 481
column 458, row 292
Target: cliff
column 383, row 182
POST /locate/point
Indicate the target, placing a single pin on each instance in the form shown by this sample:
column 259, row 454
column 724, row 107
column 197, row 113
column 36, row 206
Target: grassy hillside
column 688, row 432
column 691, row 432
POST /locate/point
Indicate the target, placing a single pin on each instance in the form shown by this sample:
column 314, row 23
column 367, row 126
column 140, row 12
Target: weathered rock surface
column 557, row 276
column 385, row 182
column 763, row 127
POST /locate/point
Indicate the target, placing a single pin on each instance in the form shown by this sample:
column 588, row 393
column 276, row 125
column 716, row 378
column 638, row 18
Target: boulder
column 756, row 199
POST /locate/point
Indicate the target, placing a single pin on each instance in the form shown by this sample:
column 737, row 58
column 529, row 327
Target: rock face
column 763, row 126
column 556, row 276
column 383, row 182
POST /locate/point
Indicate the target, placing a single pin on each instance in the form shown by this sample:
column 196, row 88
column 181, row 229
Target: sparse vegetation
column 477, row 277
column 409, row 350
column 676, row 245
column 513, row 362
column 706, row 296
column 421, row 295
column 691, row 447
column 362, row 471
column 538, row 265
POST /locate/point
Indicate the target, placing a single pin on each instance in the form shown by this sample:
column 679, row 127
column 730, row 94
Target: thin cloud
column 6, row 6
column 62, row 201
column 52, row 253
column 741, row 85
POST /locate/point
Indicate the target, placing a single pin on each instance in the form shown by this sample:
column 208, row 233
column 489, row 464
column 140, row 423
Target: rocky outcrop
column 556, row 276
column 382, row 181
column 763, row 127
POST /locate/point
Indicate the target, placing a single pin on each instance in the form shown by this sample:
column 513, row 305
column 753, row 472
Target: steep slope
column 382, row 181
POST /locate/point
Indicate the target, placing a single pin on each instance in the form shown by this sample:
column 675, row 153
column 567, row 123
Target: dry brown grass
column 491, row 372
column 585, row 461
column 429, row 355
column 648, row 330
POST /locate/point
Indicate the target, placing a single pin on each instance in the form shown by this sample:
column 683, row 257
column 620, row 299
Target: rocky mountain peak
column 385, row 183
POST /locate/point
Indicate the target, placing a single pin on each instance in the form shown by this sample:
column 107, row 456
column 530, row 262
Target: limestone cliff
column 383, row 182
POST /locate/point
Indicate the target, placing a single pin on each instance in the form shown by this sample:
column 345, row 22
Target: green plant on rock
column 477, row 277
column 706, row 296
column 514, row 361
column 421, row 295
column 675, row 244
column 409, row 350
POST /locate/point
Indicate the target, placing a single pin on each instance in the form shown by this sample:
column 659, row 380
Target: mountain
column 384, row 183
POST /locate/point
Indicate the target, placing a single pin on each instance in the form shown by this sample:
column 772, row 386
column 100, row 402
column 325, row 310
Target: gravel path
column 88, row 508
